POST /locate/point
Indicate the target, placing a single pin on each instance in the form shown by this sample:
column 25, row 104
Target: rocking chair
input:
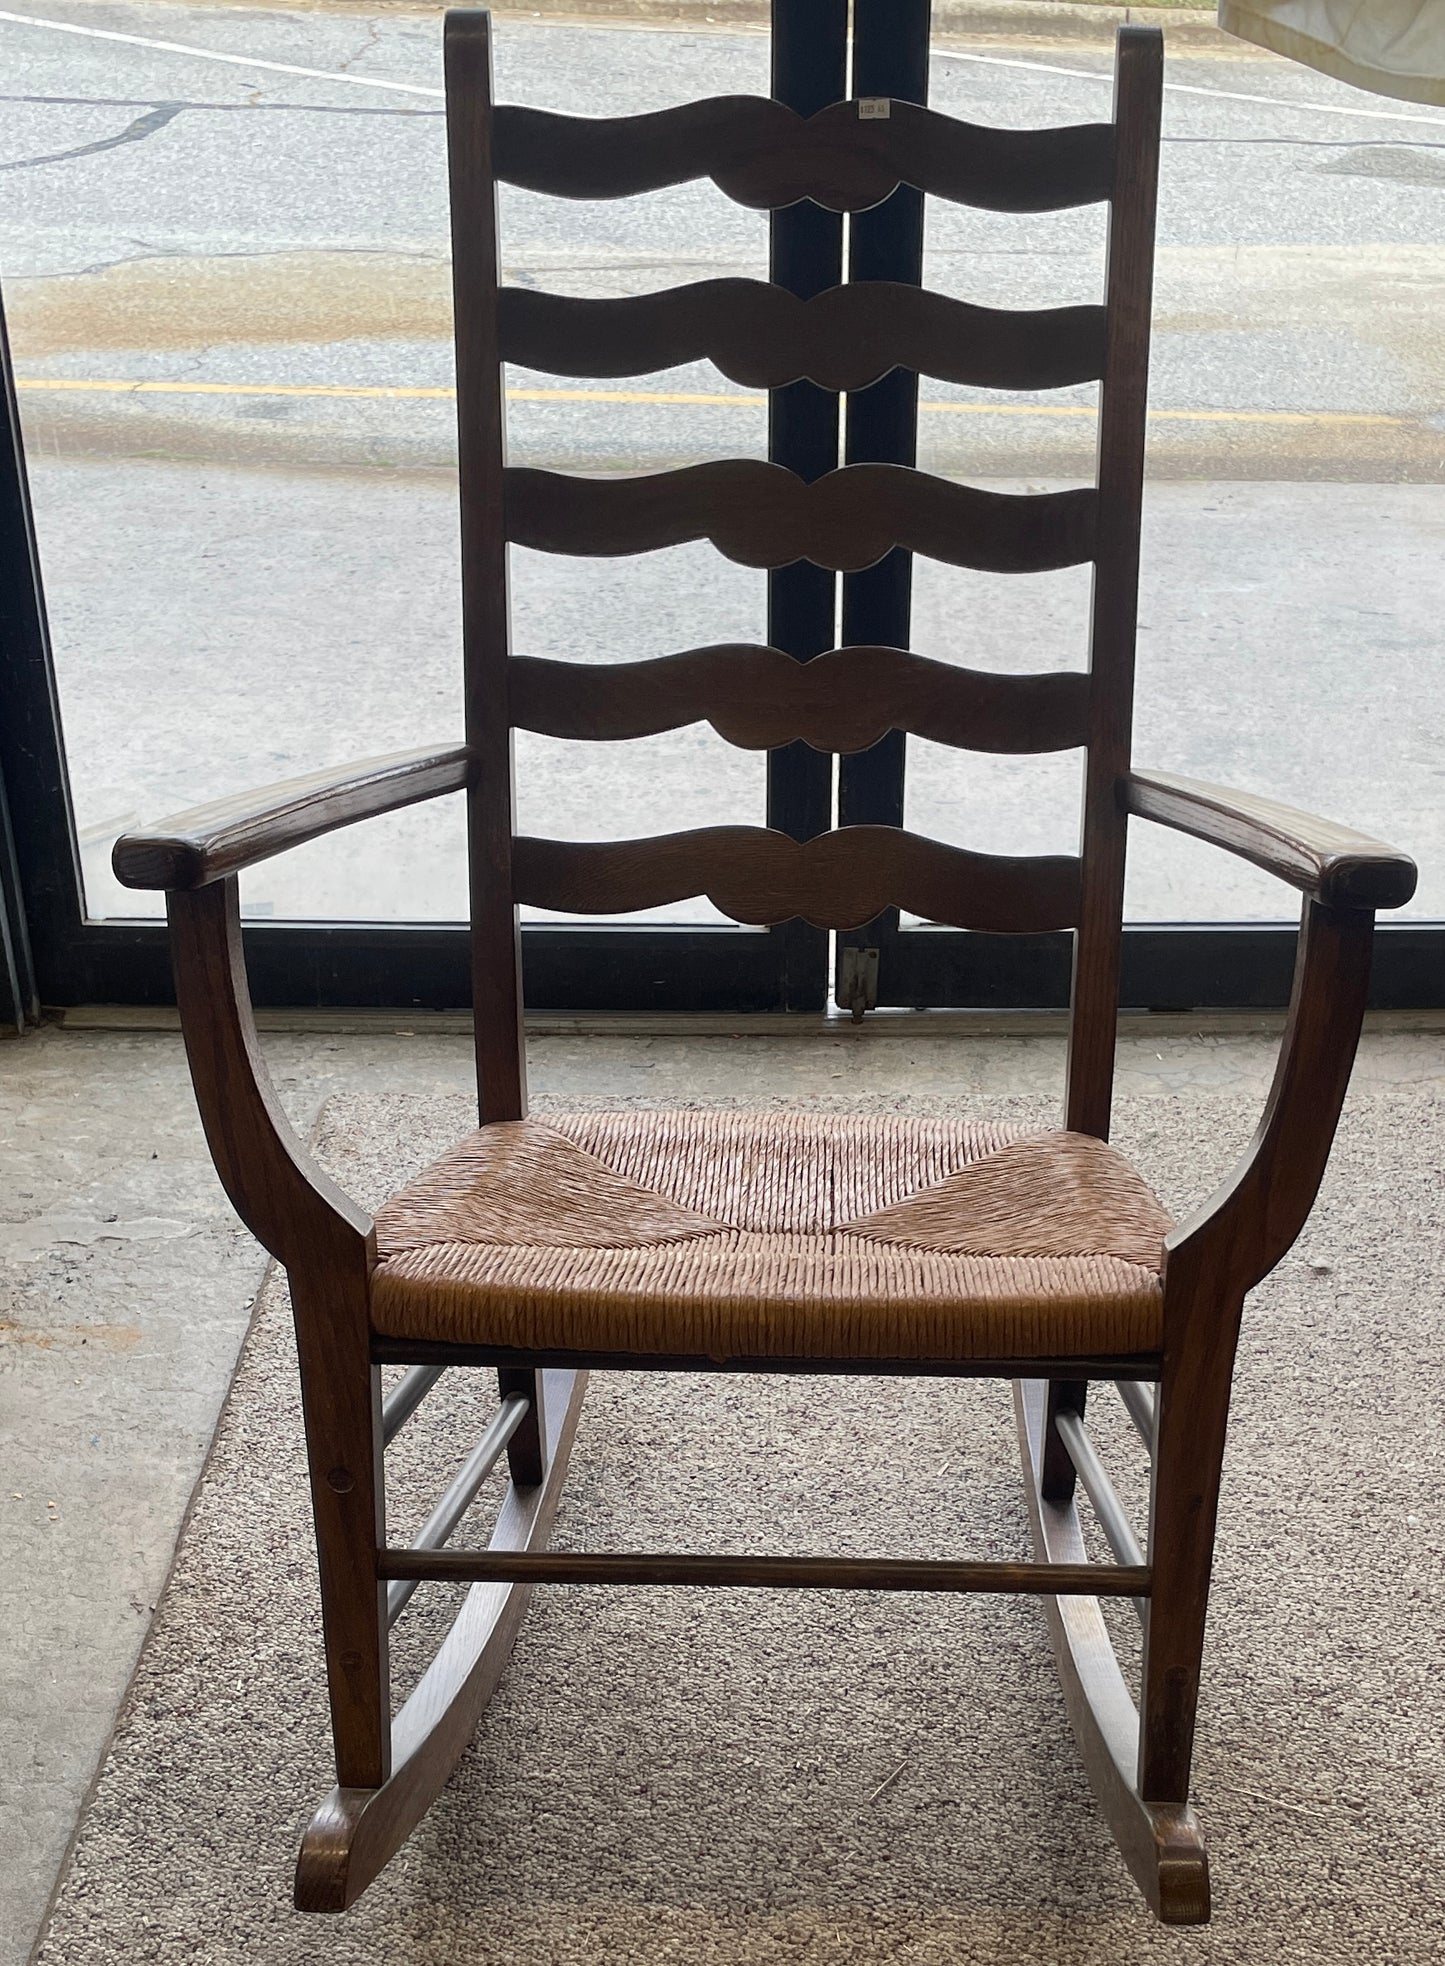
column 542, row 1249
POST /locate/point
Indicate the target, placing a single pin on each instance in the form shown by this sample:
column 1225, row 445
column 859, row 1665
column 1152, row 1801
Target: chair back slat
column 761, row 515
column 764, row 337
column 848, row 157
column 839, row 880
column 759, row 698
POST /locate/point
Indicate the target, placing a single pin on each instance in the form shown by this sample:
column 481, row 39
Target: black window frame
column 51, row 955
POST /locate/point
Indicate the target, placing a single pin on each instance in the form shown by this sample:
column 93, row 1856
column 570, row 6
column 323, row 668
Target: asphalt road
column 249, row 557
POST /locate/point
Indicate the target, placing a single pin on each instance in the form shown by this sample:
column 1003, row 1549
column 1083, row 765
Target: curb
column 1045, row 21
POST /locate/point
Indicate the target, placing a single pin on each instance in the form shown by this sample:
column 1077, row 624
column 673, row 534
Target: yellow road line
column 103, row 386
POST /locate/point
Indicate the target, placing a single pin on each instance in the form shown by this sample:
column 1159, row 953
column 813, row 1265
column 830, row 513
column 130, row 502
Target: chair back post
column 481, row 440
column 1122, row 411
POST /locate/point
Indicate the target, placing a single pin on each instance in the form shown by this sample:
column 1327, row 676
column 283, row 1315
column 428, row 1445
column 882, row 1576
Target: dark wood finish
column 209, row 841
column 413, row 1351
column 1330, row 863
column 526, row 1450
column 812, row 1573
column 1056, row 1480
column 843, row 701
column 1213, row 1258
column 1123, row 405
column 764, row 155
column 1163, row 1844
column 1139, row 1763
column 765, row 337
column 839, row 880
column 357, row 1828
column 326, row 1243
column 486, row 614
column 763, row 516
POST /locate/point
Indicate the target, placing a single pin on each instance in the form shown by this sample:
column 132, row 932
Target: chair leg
column 1162, row 1843
column 357, row 1829
column 1057, row 1480
column 341, row 1400
column 526, row 1450
column 1193, row 1414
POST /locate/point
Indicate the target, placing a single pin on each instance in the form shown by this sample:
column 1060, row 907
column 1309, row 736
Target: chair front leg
column 341, row 1400
column 1192, row 1418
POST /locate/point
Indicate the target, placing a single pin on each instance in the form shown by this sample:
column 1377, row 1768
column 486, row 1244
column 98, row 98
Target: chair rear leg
column 341, row 1400
column 1193, row 1413
column 1056, row 1483
column 526, row 1450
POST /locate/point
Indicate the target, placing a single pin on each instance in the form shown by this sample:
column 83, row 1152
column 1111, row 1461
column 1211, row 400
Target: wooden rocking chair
column 718, row 1242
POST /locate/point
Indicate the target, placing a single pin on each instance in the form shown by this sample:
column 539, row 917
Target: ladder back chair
column 540, row 1249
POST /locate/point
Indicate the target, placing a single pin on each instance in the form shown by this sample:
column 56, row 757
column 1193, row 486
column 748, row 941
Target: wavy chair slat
column 764, row 337
column 765, row 155
column 840, row 880
column 759, row 698
column 764, row 516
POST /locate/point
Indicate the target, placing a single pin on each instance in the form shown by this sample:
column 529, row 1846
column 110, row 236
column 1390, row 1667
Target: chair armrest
column 1331, row 864
column 193, row 848
column 1238, row 1235
column 289, row 1203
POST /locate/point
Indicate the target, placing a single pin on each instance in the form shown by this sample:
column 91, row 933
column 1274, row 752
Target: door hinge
column 857, row 980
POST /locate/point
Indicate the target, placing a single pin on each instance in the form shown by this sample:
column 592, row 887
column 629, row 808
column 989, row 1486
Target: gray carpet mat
column 747, row 1776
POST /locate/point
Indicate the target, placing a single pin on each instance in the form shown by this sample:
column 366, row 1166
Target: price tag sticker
column 874, row 109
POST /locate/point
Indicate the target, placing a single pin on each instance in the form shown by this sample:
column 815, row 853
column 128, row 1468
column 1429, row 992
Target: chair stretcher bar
column 419, row 1564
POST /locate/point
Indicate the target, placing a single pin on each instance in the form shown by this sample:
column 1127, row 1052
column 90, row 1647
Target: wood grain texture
column 1140, row 1765
column 326, row 1243
column 818, row 1573
column 1123, row 410
column 764, row 337
column 419, row 1351
column 1333, row 864
column 1212, row 1259
column 838, row 880
column 764, row 155
column 758, row 698
column 206, row 842
column 287, row 1201
column 357, row 1829
column 1253, row 1217
column 486, row 610
column 1162, row 1844
column 762, row 515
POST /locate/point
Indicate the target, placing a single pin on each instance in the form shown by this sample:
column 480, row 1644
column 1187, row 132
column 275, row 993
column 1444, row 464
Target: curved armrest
column 1329, row 863
column 287, row 1202
column 199, row 846
column 1254, row 1215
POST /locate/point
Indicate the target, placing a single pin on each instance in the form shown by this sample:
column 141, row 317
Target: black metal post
column 39, row 872
column 810, row 53
column 890, row 58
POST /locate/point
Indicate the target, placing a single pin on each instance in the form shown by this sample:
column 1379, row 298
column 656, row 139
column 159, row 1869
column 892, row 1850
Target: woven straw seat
column 774, row 1235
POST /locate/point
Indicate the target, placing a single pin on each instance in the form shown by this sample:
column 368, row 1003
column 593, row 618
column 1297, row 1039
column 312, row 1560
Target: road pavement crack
column 224, row 108
column 373, row 35
column 145, row 126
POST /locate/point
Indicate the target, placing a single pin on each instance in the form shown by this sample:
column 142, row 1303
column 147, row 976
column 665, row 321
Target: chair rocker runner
column 542, row 1249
